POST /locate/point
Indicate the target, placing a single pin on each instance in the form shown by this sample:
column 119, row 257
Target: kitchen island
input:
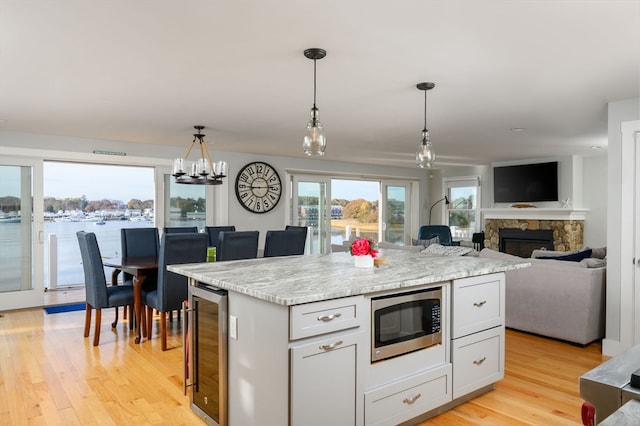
column 299, row 347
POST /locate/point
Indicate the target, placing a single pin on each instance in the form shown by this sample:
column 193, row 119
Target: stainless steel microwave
column 406, row 322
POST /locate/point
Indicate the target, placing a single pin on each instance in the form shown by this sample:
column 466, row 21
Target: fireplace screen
column 522, row 242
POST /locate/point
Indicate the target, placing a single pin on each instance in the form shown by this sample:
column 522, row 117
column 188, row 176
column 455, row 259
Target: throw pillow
column 432, row 239
column 598, row 253
column 573, row 257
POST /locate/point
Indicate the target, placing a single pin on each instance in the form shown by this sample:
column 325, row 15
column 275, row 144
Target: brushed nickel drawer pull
column 479, row 304
column 331, row 346
column 480, row 361
column 326, row 318
column 411, row 400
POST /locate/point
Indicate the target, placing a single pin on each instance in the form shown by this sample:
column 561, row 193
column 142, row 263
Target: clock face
column 258, row 187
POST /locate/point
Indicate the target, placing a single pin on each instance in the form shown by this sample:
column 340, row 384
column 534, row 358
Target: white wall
column 595, row 199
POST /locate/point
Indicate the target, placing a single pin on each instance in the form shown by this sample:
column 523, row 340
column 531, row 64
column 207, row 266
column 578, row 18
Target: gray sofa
column 556, row 298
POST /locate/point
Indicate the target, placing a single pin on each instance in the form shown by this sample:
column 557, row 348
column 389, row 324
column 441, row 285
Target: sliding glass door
column 311, row 208
column 21, row 280
column 395, row 213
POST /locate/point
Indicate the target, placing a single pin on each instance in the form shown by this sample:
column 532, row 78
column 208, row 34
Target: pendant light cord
column 425, row 110
column 314, row 85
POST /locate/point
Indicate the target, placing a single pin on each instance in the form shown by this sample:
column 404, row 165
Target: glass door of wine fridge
column 208, row 353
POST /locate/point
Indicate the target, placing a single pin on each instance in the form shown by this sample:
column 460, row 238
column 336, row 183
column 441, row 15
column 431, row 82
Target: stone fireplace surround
column 567, row 225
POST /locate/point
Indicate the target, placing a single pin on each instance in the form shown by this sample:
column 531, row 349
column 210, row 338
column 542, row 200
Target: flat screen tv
column 526, row 183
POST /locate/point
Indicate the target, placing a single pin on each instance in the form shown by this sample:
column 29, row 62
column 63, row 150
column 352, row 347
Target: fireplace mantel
column 535, row 213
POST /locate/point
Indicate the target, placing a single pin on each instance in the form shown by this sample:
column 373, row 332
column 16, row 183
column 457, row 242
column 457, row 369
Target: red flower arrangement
column 363, row 247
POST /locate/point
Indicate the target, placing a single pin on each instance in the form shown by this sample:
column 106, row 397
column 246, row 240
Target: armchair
column 443, row 232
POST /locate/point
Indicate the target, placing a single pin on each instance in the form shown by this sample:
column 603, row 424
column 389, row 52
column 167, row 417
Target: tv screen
column 526, row 183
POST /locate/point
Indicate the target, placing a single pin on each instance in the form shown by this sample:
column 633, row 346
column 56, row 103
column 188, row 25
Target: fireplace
column 521, row 242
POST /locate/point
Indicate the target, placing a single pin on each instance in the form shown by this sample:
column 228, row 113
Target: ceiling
column 148, row 70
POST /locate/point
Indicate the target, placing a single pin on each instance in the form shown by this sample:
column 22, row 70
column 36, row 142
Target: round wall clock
column 258, row 187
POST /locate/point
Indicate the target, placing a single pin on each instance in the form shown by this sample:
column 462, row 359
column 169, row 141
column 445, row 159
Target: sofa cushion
column 593, row 262
column 493, row 254
column 572, row 257
column 388, row 245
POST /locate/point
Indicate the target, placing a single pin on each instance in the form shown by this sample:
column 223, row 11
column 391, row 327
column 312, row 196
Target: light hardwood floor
column 50, row 374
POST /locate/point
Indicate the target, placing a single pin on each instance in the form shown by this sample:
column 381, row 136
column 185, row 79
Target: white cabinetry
column 477, row 338
column 408, row 398
column 326, row 340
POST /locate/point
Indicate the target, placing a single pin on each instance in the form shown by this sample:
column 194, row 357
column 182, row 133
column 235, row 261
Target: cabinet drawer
column 405, row 399
column 313, row 319
column 478, row 304
column 478, row 360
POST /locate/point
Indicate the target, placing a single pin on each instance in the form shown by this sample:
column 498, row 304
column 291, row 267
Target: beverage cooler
column 205, row 345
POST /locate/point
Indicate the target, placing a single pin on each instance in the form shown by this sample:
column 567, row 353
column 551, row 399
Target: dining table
column 140, row 267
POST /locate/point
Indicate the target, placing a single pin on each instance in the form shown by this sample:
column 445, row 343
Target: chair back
column 177, row 249
column 139, row 242
column 301, row 229
column 441, row 231
column 214, row 233
column 95, row 283
column 179, row 229
column 478, row 240
column 237, row 245
column 284, row 243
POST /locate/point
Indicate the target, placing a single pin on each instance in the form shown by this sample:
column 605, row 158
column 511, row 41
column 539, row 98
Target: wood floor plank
column 50, row 374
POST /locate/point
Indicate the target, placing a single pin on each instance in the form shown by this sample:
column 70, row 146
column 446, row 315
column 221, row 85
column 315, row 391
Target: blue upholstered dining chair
column 98, row 294
column 214, row 233
column 139, row 242
column 179, row 229
column 237, row 245
column 443, row 232
column 301, row 229
column 284, row 243
column 172, row 288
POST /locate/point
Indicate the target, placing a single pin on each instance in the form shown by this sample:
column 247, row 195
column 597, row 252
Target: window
column 340, row 208
column 463, row 210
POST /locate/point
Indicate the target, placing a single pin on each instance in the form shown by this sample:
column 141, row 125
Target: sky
column 97, row 182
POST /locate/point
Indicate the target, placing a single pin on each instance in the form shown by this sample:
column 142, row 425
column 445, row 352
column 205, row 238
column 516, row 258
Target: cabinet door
column 323, row 381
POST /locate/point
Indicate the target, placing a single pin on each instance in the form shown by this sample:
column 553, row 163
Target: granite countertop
column 294, row 280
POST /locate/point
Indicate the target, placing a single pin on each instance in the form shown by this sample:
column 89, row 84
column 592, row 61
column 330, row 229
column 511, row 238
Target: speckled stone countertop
column 294, row 280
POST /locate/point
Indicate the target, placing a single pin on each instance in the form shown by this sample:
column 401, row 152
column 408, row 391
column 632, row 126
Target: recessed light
column 517, row 129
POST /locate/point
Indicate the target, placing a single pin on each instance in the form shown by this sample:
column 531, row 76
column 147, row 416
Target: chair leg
column 87, row 320
column 96, row 334
column 115, row 321
column 163, row 330
column 148, row 328
column 131, row 315
column 124, row 314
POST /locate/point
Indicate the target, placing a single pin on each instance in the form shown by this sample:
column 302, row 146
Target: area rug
column 64, row 308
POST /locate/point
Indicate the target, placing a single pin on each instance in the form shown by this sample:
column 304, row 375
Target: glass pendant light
column 314, row 141
column 425, row 155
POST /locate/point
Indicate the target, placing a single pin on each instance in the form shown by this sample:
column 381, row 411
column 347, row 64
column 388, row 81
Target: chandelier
column 425, row 155
column 202, row 171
